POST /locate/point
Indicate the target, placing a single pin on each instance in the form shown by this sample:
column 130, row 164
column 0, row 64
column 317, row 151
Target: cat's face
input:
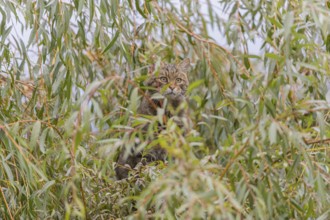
column 172, row 81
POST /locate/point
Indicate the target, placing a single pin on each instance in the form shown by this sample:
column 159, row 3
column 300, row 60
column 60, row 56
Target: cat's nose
column 171, row 87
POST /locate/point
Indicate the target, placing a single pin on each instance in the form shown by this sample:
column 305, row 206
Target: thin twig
column 234, row 158
column 4, row 199
column 317, row 141
column 83, row 199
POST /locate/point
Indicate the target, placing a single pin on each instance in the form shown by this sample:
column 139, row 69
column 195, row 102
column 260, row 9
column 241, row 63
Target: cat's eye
column 178, row 80
column 163, row 79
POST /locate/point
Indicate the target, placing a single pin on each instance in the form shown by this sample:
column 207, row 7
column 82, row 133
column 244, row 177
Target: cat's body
column 172, row 83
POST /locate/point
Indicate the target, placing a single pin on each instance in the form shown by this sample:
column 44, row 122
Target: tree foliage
column 72, row 73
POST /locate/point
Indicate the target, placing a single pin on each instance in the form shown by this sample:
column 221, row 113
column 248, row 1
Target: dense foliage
column 71, row 77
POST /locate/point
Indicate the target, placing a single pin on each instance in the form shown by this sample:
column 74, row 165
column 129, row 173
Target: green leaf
column 274, row 56
column 42, row 140
column 134, row 98
column 91, row 12
column 112, row 42
column 327, row 43
column 275, row 22
column 272, row 133
column 35, row 134
column 288, row 23
column 7, row 170
column 45, row 187
column 137, row 5
column 194, row 85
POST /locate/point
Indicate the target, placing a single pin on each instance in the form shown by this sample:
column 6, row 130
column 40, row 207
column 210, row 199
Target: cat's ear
column 150, row 79
column 151, row 69
column 184, row 65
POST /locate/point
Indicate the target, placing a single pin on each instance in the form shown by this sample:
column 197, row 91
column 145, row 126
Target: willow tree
column 71, row 77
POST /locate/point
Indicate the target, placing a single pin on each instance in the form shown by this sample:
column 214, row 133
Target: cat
column 172, row 83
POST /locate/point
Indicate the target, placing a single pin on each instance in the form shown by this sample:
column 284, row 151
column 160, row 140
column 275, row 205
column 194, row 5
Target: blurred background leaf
column 71, row 76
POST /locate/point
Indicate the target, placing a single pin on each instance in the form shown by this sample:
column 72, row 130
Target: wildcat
column 172, row 83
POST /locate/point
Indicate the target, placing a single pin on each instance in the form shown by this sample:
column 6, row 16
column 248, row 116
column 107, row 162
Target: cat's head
column 171, row 80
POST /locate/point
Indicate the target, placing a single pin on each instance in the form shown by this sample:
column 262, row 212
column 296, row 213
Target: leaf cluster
column 71, row 77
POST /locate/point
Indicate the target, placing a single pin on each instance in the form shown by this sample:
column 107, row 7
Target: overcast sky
column 254, row 48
